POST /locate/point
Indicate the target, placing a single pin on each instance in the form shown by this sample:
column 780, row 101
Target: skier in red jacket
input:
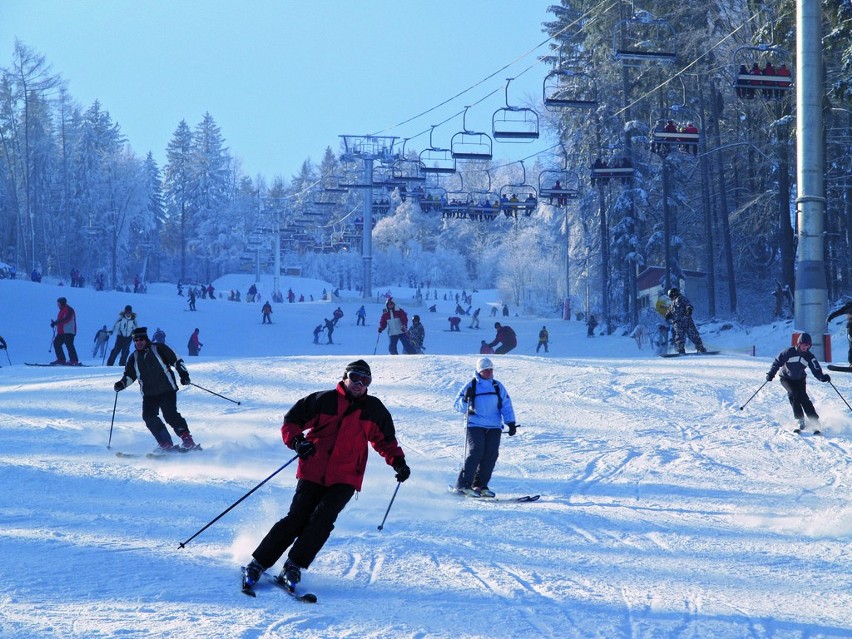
column 332, row 459
column 505, row 337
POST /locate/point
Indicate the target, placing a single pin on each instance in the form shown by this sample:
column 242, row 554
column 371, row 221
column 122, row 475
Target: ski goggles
column 359, row 378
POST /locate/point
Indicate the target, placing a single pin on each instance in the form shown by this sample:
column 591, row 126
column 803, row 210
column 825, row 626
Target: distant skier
column 122, row 328
column 101, row 341
column 396, row 321
column 317, row 332
column 361, row 314
column 543, row 339
column 267, row 312
column 66, row 328
column 329, row 330
column 454, row 324
column 416, row 335
column 194, row 344
column 159, row 337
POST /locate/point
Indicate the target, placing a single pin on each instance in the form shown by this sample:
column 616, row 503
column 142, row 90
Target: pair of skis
column 290, row 589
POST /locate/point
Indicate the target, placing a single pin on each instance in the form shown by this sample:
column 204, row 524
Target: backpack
column 472, row 394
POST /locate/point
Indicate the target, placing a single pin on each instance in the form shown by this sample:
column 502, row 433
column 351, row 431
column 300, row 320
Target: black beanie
column 358, row 366
column 142, row 331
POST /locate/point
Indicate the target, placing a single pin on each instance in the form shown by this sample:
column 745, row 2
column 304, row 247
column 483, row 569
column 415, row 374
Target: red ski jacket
column 340, row 427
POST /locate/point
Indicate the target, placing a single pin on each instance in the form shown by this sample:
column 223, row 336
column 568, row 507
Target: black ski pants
column 309, row 523
column 483, row 448
column 797, row 393
column 167, row 403
column 122, row 345
column 66, row 340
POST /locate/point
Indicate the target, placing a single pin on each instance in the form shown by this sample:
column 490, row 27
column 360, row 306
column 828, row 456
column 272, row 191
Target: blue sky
column 283, row 79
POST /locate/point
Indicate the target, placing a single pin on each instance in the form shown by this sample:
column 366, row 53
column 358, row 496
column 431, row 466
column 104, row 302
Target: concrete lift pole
column 811, row 294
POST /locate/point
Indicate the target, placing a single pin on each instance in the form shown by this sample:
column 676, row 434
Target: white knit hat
column 483, row 364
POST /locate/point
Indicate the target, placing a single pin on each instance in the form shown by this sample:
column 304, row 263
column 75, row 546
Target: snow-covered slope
column 666, row 511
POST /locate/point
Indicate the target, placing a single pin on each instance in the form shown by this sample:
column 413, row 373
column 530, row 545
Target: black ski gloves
column 403, row 472
column 303, row 447
column 182, row 372
column 513, row 428
column 826, row 378
column 119, row 386
column 770, row 377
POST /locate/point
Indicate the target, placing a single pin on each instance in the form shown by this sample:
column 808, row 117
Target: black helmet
column 673, row 292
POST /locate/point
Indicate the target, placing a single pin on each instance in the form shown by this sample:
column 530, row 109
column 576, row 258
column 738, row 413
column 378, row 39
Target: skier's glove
column 513, row 428
column 826, row 378
column 770, row 377
column 403, row 472
column 52, row 323
column 119, row 386
column 184, row 379
column 303, row 447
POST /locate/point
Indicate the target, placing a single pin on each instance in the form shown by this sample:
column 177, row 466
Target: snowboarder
column 487, row 406
column 66, row 328
column 194, row 345
column 794, row 362
column 122, row 328
column 680, row 315
column 152, row 365
column 416, row 335
column 101, row 340
column 505, row 337
column 267, row 312
column 332, row 460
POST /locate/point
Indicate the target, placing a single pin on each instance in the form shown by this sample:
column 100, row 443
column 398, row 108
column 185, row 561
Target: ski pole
column 378, row 337
column 234, row 505
column 839, row 395
column 382, row 525
column 7, row 355
column 216, row 394
column 50, row 350
column 112, row 421
column 755, row 393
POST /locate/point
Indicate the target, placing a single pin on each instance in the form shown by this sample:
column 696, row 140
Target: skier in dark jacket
column 793, row 363
column 332, row 459
column 152, row 364
column 680, row 314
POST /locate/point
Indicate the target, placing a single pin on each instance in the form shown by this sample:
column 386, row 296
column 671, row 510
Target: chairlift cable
column 489, row 77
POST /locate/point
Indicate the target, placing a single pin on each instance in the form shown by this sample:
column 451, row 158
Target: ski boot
column 291, row 574
column 800, row 426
